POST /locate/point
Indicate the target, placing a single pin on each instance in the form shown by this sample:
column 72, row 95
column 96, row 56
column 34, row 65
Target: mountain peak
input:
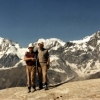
column 52, row 40
column 52, row 43
column 87, row 38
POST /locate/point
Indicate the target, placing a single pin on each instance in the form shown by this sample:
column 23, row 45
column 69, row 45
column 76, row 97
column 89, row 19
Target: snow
column 73, row 50
column 81, row 72
column 53, row 58
column 97, row 64
column 84, row 40
column 92, row 48
column 7, row 47
column 21, row 52
column 12, row 49
column 84, row 72
column 82, row 46
column 98, row 42
column 75, row 68
column 88, row 68
column 57, row 70
column 1, row 39
column 52, row 42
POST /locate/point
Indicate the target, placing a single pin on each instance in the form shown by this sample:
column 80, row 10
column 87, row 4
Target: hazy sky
column 26, row 21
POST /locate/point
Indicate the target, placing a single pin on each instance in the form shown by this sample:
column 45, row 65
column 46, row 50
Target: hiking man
column 30, row 68
column 43, row 65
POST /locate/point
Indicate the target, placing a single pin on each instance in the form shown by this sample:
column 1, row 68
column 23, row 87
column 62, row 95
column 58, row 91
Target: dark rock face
column 15, row 77
column 94, row 39
column 68, row 44
column 94, row 76
column 9, row 60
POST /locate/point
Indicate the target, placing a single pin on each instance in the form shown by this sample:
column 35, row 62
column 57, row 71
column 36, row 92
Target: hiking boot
column 29, row 89
column 34, row 88
column 40, row 85
column 45, row 87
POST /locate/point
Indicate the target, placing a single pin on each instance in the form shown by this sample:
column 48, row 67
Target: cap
column 41, row 43
column 30, row 45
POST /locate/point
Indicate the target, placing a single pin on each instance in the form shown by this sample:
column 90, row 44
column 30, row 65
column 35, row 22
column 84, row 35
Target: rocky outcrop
column 80, row 90
column 15, row 77
column 9, row 60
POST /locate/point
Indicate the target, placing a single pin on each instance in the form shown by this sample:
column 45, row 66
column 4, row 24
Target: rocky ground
column 79, row 90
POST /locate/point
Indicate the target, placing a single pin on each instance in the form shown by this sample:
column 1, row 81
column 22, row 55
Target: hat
column 41, row 43
column 30, row 45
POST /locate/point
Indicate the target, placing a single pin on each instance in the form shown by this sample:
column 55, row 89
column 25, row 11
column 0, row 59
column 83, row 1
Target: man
column 43, row 65
column 30, row 68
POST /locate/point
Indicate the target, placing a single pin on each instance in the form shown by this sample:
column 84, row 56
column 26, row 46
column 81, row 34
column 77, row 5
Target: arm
column 26, row 58
column 48, row 60
column 48, row 63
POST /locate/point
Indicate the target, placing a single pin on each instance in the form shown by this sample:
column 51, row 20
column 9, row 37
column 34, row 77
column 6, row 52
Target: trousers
column 31, row 75
column 42, row 72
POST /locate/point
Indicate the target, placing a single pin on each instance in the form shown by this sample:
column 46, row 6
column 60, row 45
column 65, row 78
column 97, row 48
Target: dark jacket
column 30, row 55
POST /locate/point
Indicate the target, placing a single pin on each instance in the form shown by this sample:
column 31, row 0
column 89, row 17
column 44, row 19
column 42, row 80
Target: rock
column 16, row 77
column 79, row 90
column 9, row 60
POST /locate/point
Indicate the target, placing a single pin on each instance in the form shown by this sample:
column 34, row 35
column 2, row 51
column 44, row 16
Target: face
column 40, row 46
column 30, row 49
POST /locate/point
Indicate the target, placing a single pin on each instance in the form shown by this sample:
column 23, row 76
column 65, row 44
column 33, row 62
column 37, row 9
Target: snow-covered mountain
column 78, row 59
column 9, row 48
column 10, row 53
column 51, row 44
column 83, row 56
column 59, row 50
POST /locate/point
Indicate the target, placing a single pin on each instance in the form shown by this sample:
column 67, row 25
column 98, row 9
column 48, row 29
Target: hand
column 33, row 59
column 48, row 65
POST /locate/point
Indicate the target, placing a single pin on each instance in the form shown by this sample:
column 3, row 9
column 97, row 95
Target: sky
column 26, row 21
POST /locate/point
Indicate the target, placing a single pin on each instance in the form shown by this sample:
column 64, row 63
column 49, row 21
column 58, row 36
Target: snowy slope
column 9, row 47
column 84, row 40
column 6, row 46
column 83, row 56
column 10, row 53
column 52, row 43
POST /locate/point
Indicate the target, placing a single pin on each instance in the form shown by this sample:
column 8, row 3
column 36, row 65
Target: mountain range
column 70, row 61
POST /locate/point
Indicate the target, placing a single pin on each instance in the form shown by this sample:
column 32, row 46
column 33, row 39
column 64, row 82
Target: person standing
column 43, row 65
column 30, row 60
